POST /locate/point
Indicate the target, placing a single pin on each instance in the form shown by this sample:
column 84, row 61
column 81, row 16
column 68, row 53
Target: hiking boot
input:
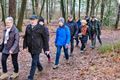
column 14, row 75
column 55, row 66
column 40, row 68
column 67, row 62
column 4, row 76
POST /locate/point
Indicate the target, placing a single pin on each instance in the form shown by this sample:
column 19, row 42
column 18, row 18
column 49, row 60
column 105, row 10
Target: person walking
column 10, row 46
column 62, row 40
column 34, row 39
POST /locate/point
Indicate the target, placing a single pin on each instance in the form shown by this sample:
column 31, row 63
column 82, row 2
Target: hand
column 24, row 50
column 47, row 52
column 11, row 52
column 67, row 46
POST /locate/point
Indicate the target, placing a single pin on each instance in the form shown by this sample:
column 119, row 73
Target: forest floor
column 91, row 65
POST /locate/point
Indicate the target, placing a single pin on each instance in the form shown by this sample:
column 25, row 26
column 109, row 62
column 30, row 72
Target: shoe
column 67, row 62
column 14, row 75
column 55, row 66
column 81, row 51
column 4, row 76
column 92, row 47
column 40, row 68
column 71, row 54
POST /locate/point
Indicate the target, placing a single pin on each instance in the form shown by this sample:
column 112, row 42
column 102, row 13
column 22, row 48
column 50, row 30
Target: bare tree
column 87, row 8
column 118, row 17
column 12, row 8
column 21, row 16
column 63, row 9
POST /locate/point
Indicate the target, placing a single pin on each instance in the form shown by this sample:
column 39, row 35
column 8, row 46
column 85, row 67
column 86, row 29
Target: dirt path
column 88, row 66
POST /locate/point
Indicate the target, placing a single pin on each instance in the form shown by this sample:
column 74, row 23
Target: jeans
column 35, row 64
column 83, row 40
column 14, row 62
column 59, row 53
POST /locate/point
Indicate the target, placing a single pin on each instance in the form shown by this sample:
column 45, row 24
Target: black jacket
column 35, row 38
column 73, row 28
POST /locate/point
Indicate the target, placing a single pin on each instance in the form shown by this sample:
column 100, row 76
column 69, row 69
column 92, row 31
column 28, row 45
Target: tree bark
column 87, row 8
column 42, row 7
column 102, row 10
column 118, row 17
column 92, row 8
column 12, row 8
column 63, row 9
column 3, row 12
column 73, row 11
column 21, row 16
column 33, row 6
column 79, row 8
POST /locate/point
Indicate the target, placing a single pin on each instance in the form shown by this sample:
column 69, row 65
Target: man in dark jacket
column 35, row 37
column 73, row 30
column 41, row 22
column 78, row 21
column 95, row 31
column 10, row 46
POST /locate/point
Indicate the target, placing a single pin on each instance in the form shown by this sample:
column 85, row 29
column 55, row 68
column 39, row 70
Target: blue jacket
column 62, row 36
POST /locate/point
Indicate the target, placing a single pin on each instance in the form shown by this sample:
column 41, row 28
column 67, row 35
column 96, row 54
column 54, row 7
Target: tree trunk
column 73, row 11
column 92, row 8
column 63, row 9
column 87, row 8
column 33, row 7
column 67, row 8
column 36, row 7
column 71, row 7
column 21, row 16
column 47, row 11
column 3, row 12
column 42, row 7
column 79, row 8
column 118, row 17
column 12, row 8
column 102, row 10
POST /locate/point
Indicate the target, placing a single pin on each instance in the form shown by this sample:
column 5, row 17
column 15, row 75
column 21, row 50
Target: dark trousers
column 35, row 64
column 14, row 62
column 77, row 41
column 99, row 39
column 59, row 53
column 83, row 40
column 72, row 45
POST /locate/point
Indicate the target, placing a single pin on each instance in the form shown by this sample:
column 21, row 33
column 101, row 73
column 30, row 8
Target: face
column 60, row 23
column 93, row 19
column 34, row 22
column 83, row 24
column 41, row 23
column 9, row 24
column 70, row 19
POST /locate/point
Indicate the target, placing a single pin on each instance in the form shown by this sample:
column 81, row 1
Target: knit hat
column 41, row 19
column 84, row 21
column 61, row 19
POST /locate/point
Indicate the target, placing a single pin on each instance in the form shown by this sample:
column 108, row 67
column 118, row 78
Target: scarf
column 7, row 35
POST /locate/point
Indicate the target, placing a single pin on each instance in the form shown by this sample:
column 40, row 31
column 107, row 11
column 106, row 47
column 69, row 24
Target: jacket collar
column 12, row 29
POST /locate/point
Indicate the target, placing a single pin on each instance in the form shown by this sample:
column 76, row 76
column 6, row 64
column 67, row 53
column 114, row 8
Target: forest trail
column 88, row 66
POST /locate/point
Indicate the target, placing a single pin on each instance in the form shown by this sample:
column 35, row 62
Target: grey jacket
column 12, row 43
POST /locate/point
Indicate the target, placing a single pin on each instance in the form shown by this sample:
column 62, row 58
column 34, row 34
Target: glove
column 67, row 46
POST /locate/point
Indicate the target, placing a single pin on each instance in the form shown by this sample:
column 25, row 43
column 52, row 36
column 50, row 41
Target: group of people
column 36, row 39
